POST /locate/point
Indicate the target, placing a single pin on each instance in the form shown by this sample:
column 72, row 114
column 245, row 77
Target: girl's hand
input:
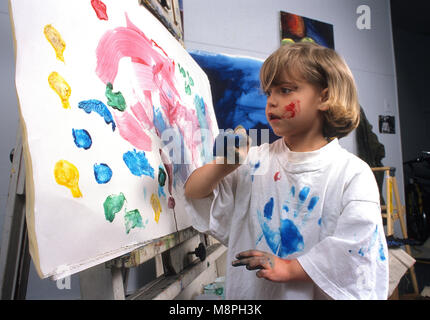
column 270, row 266
column 229, row 144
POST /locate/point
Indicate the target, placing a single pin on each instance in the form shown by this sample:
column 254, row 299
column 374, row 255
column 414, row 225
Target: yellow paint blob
column 156, row 205
column 54, row 38
column 61, row 87
column 66, row 174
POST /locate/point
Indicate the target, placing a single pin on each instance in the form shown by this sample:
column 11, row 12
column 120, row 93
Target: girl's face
column 293, row 108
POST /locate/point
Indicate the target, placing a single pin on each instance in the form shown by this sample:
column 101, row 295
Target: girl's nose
column 271, row 101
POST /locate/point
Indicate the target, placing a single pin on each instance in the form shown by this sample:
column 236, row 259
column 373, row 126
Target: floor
column 422, row 270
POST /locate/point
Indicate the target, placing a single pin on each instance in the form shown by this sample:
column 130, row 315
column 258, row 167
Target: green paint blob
column 112, row 205
column 115, row 99
column 133, row 219
column 187, row 89
column 162, row 176
column 191, row 81
column 182, row 71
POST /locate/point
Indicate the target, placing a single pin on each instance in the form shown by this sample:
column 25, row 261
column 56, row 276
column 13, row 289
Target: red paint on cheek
column 291, row 110
column 100, row 9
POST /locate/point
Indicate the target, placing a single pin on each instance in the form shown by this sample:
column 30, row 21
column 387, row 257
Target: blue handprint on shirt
column 287, row 238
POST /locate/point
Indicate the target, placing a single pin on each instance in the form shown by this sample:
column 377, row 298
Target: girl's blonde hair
column 323, row 68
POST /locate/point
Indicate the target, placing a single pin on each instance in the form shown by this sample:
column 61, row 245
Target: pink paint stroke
column 155, row 71
column 132, row 131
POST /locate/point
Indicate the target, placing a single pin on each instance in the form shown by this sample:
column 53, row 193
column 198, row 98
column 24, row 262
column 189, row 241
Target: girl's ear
column 323, row 98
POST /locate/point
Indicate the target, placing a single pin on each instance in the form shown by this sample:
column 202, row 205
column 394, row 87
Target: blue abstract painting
column 236, row 92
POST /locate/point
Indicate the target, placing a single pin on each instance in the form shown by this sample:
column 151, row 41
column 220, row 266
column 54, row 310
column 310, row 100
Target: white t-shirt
column 321, row 207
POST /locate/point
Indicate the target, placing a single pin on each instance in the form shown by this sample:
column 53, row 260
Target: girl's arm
column 203, row 180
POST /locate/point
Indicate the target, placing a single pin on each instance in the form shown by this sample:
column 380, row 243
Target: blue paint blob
column 138, row 164
column 312, row 203
column 304, row 194
column 285, row 207
column 159, row 122
column 100, row 108
column 291, row 239
column 319, row 221
column 254, row 168
column 199, row 104
column 161, row 192
column 259, row 239
column 293, row 191
column 102, row 173
column 381, row 252
column 82, row 138
column 268, row 209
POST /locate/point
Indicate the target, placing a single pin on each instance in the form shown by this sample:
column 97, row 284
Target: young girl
column 302, row 211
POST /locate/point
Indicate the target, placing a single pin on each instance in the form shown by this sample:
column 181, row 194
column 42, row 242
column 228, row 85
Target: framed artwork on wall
column 295, row 28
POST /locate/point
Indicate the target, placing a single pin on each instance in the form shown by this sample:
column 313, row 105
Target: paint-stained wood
column 150, row 250
column 169, row 287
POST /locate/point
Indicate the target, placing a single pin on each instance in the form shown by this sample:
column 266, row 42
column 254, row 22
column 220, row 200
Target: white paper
column 71, row 232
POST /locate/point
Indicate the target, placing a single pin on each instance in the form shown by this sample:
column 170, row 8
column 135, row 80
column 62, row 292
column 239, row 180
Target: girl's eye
column 267, row 93
column 285, row 90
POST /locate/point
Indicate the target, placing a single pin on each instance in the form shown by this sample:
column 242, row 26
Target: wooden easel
column 180, row 268
column 395, row 212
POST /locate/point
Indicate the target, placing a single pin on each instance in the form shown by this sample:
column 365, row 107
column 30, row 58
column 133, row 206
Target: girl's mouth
column 274, row 117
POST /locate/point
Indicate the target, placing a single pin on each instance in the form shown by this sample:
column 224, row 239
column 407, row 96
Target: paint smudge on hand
column 100, row 9
column 98, row 107
column 82, row 138
column 66, row 174
column 102, row 173
column 138, row 164
column 56, row 41
column 112, row 205
column 133, row 219
column 156, row 206
column 115, row 99
column 61, row 87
